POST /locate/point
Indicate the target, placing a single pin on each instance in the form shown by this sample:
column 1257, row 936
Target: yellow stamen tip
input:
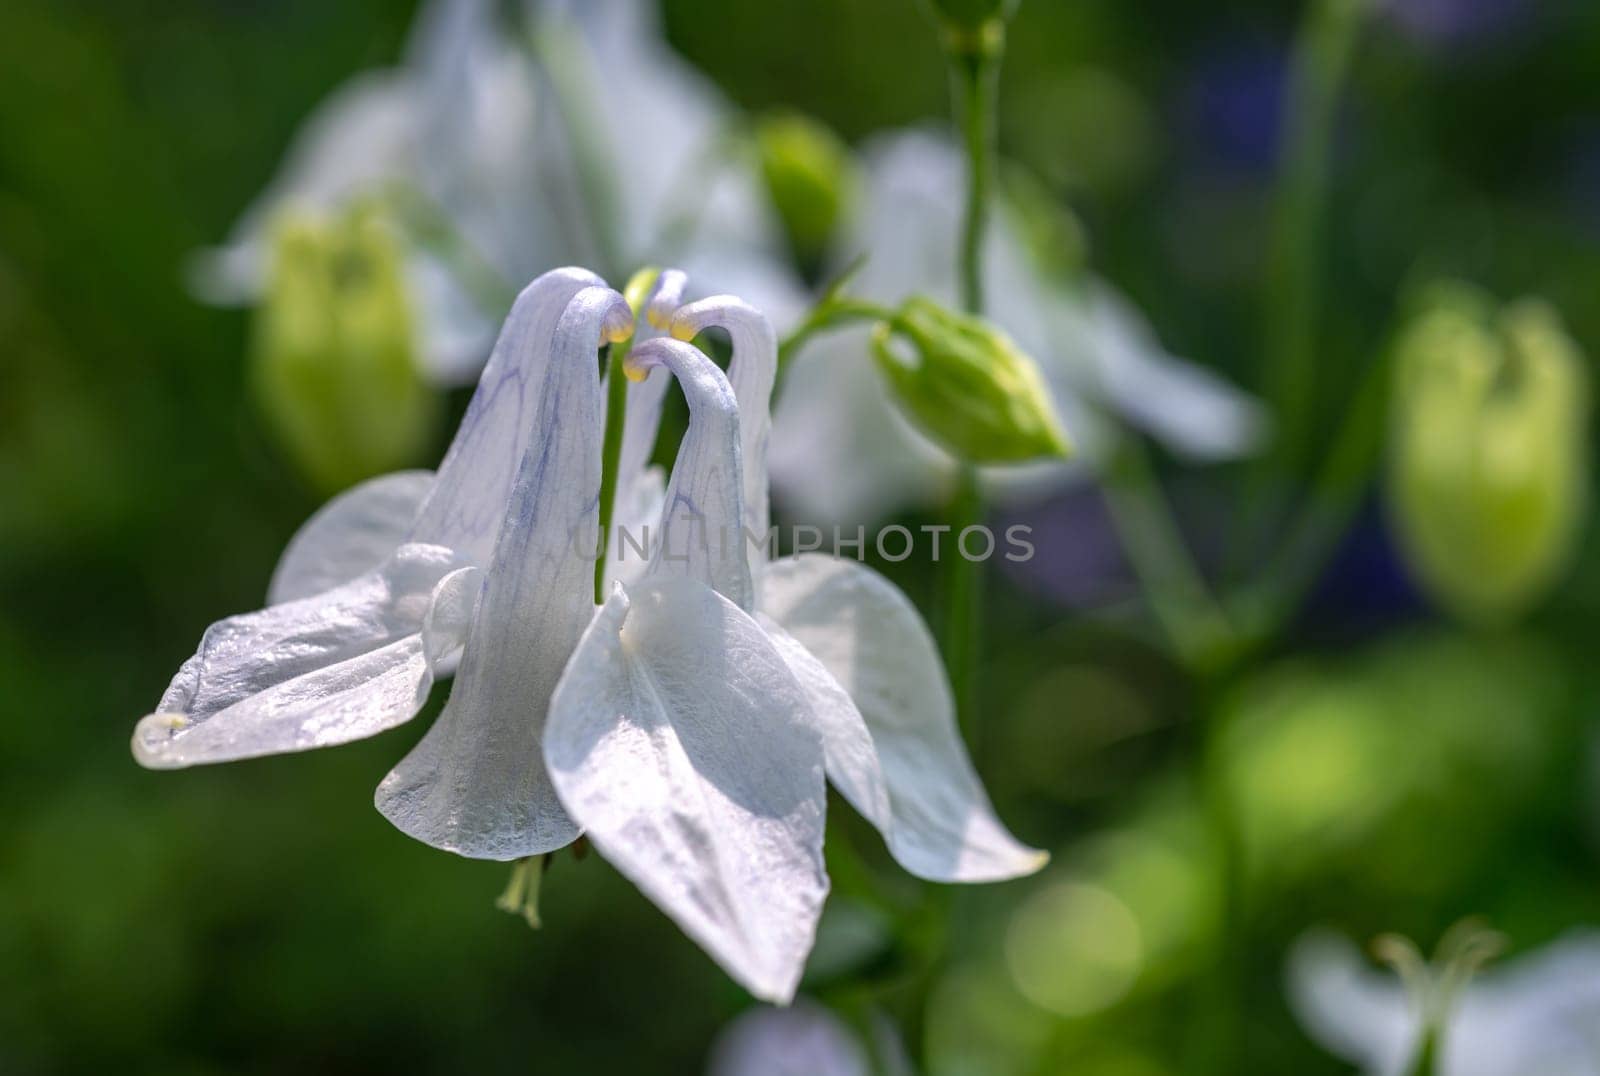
column 683, row 331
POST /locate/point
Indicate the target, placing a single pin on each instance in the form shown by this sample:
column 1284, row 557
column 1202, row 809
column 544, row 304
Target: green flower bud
column 967, row 385
column 335, row 352
column 1489, row 451
column 810, row 178
column 973, row 16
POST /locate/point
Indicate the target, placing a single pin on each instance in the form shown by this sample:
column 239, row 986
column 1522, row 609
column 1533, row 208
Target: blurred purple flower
column 1231, row 108
column 1459, row 22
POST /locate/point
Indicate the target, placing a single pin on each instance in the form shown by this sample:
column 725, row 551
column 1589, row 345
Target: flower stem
column 611, row 457
column 637, row 293
column 1293, row 300
column 974, row 81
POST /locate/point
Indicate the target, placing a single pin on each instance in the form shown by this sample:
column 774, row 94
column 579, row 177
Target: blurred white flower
column 572, row 136
column 1538, row 1013
column 842, row 454
column 804, row 1039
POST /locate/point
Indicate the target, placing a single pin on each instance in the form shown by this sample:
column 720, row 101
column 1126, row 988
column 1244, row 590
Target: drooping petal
column 475, row 784
column 870, row 638
column 467, row 504
column 701, row 533
column 683, row 747
column 336, row 667
column 349, row 536
column 751, row 372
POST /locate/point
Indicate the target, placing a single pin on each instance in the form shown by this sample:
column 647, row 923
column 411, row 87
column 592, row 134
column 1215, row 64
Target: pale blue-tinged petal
column 340, row 666
column 467, row 504
column 637, row 519
column 701, row 530
column 1185, row 406
column 751, row 371
column 683, row 747
column 349, row 536
column 475, row 784
column 866, row 633
column 803, row 1039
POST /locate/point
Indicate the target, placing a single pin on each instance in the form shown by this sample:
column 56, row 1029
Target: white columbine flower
column 842, row 454
column 1539, row 1013
column 687, row 725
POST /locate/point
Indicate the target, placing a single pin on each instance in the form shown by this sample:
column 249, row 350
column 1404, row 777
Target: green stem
column 974, row 82
column 975, row 86
column 1168, row 576
column 611, row 457
column 637, row 293
column 963, row 636
column 830, row 314
column 1335, row 496
column 1322, row 61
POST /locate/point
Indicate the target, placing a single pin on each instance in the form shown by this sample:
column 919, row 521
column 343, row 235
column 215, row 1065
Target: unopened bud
column 1489, row 451
column 967, row 385
column 809, row 177
column 335, row 352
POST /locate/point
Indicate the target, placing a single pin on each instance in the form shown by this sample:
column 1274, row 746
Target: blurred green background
column 1392, row 771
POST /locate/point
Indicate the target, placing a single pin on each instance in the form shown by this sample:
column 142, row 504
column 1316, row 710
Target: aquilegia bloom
column 1537, row 1013
column 687, row 726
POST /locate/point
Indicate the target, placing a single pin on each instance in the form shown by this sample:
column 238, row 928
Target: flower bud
column 335, row 352
column 973, row 17
column 967, row 385
column 809, row 177
column 1489, row 453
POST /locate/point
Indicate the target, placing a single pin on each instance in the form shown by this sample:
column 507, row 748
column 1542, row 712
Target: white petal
column 640, row 502
column 702, row 533
column 349, row 536
column 804, row 1039
column 682, row 745
column 1355, row 1011
column 869, row 636
column 751, row 372
column 340, row 666
column 467, row 504
column 475, row 784
column 1187, row 407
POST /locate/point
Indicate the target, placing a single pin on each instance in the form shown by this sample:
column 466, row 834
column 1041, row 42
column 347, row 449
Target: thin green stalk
column 637, row 293
column 974, row 80
column 1168, row 576
column 964, row 605
column 611, row 457
column 1293, row 308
